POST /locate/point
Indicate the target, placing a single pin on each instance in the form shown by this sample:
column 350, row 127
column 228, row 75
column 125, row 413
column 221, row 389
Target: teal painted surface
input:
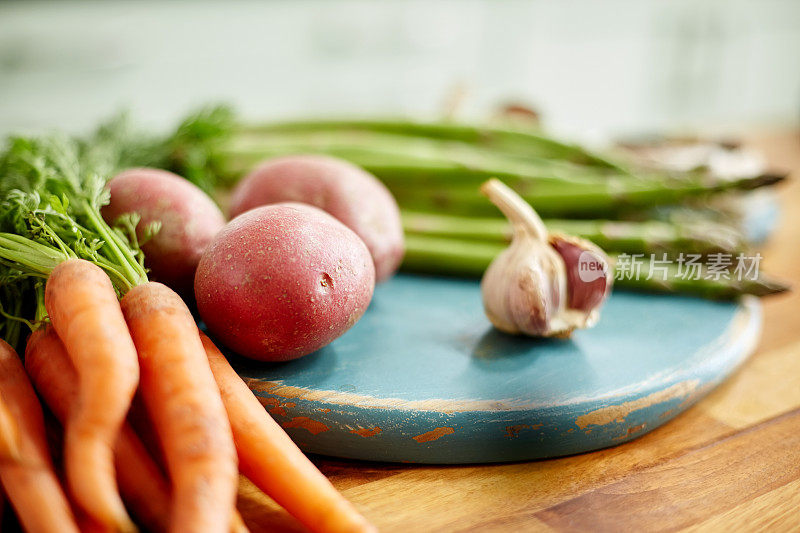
column 426, row 368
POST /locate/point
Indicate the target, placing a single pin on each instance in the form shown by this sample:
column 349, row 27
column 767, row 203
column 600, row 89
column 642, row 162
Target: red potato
column 189, row 221
column 352, row 195
column 283, row 280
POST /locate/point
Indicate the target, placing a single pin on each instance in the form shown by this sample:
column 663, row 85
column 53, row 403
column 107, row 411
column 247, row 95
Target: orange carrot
column 85, row 313
column 30, row 482
column 9, row 433
column 269, row 458
column 141, row 482
column 88, row 525
column 141, row 424
column 237, row 524
column 185, row 407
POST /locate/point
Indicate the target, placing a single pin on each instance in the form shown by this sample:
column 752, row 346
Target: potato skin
column 283, row 280
column 189, row 221
column 349, row 193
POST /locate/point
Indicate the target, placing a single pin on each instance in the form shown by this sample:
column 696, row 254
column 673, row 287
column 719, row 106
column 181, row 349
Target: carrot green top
column 52, row 190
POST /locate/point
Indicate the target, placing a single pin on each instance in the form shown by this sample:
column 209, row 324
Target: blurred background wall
column 592, row 67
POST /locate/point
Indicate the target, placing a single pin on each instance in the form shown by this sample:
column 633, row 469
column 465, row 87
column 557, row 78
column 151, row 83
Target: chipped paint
column 277, row 388
column 274, row 405
column 268, row 402
column 434, row 434
column 356, row 408
column 366, row 432
column 736, row 334
column 697, row 394
column 618, row 413
column 315, row 427
column 631, row 431
column 278, row 411
column 513, row 431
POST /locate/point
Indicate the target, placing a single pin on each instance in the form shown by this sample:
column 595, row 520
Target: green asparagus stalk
column 439, row 183
column 513, row 142
column 381, row 148
column 437, row 171
column 426, row 183
column 607, row 199
column 467, row 164
column 436, row 255
column 364, row 147
column 646, row 237
column 427, row 167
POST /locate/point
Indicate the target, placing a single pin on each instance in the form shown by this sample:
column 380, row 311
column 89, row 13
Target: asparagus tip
column 768, row 179
column 770, row 286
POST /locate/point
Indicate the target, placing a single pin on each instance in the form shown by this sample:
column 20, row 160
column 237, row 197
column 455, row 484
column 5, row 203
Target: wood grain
column 674, row 494
column 732, row 462
column 773, row 511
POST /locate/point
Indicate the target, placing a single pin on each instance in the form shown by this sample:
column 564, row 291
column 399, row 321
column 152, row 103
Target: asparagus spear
column 461, row 257
column 204, row 149
column 503, row 140
column 441, row 184
column 378, row 150
column 646, row 237
column 433, row 166
column 607, row 199
column 368, row 145
column 384, row 145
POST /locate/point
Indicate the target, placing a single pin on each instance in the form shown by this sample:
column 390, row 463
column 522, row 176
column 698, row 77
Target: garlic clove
column 542, row 284
column 523, row 289
column 588, row 269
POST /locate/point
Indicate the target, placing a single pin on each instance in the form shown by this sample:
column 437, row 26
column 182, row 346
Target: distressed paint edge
column 748, row 314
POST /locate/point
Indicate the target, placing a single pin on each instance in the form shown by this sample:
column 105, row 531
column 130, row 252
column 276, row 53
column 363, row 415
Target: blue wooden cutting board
column 423, row 377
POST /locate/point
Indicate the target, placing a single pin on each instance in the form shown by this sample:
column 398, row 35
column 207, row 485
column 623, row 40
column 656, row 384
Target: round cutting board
column 423, row 377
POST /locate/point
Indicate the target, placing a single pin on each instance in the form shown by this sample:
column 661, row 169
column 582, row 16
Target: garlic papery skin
column 589, row 277
column 531, row 287
column 524, row 288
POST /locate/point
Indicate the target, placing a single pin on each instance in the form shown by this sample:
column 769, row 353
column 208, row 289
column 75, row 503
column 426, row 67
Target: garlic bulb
column 543, row 284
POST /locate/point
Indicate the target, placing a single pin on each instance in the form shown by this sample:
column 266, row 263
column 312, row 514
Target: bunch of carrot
column 101, row 334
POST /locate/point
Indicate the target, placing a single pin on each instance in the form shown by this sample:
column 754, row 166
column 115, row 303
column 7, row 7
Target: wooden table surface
column 732, row 461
